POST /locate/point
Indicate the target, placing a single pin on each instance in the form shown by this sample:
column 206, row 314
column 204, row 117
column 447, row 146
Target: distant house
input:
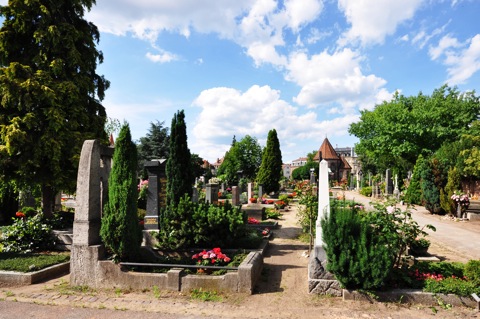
column 337, row 160
column 287, row 170
column 299, row 162
column 216, row 165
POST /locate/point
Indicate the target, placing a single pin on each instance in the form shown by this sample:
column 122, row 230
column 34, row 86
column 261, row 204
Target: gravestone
column 249, row 191
column 92, row 192
column 195, row 194
column 236, row 196
column 312, row 177
column 211, row 194
column 396, row 191
column 156, row 192
column 388, row 182
column 260, row 192
column 320, row 281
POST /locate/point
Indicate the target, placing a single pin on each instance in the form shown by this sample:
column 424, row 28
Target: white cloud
column 463, row 64
column 226, row 112
column 444, row 45
column 163, row 57
column 372, row 20
column 256, row 25
column 332, row 78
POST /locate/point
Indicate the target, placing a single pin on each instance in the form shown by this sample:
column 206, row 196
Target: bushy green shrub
column 357, row 257
column 452, row 285
column 191, row 224
column 366, row 191
column 27, row 235
column 472, row 271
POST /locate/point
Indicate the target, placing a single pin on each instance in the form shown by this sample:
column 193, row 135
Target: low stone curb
column 23, row 279
column 410, row 296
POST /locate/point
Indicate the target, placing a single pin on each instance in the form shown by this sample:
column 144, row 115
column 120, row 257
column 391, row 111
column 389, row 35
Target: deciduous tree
column 400, row 130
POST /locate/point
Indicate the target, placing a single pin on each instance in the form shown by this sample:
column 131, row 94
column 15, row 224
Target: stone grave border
column 24, row 279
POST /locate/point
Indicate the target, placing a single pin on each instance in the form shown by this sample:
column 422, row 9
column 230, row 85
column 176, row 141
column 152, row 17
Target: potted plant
column 419, row 247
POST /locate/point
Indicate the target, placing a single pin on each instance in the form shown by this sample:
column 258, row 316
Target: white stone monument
column 323, row 200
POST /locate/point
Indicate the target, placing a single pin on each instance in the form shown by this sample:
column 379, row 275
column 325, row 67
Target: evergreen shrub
column 120, row 230
column 366, row 191
column 357, row 257
column 191, row 224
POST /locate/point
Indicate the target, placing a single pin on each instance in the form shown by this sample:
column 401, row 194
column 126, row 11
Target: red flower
column 20, row 214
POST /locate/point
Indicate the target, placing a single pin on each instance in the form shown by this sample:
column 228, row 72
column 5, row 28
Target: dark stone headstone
column 156, row 193
column 195, row 195
column 388, row 182
column 235, row 196
column 211, row 194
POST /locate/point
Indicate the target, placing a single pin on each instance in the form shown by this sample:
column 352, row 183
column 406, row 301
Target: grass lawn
column 31, row 261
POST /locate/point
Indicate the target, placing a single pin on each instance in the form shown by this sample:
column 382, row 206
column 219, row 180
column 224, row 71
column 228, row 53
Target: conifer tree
column 50, row 92
column 178, row 168
column 270, row 171
column 120, row 231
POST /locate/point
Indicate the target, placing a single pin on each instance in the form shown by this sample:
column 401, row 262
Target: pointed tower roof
column 327, row 152
column 111, row 141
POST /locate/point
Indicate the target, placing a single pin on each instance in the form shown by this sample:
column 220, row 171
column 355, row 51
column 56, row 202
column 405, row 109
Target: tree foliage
column 120, row 230
column 400, row 130
column 179, row 168
column 270, row 172
column 303, row 172
column 155, row 145
column 50, row 92
column 244, row 155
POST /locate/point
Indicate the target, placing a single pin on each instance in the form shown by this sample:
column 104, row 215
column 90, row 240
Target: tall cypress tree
column 270, row 171
column 179, row 170
column 120, row 230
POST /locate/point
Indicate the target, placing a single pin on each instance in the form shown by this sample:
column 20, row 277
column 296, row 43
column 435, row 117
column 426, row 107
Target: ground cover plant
column 442, row 277
column 235, row 258
column 27, row 262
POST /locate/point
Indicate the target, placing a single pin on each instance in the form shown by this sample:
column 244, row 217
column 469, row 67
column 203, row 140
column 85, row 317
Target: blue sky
column 303, row 67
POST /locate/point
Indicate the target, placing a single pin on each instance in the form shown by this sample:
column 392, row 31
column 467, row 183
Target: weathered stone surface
column 325, row 287
column 318, row 270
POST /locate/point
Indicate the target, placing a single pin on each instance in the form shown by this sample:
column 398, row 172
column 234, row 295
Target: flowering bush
column 265, row 231
column 213, row 257
column 461, row 199
column 280, row 204
column 252, row 220
column 253, row 200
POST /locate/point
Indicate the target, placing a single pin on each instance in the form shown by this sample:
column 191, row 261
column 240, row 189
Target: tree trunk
column 47, row 200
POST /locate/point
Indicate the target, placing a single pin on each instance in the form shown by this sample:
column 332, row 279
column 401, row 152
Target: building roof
column 345, row 163
column 300, row 159
column 326, row 151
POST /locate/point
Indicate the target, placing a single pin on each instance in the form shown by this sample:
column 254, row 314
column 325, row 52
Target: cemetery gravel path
column 281, row 293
